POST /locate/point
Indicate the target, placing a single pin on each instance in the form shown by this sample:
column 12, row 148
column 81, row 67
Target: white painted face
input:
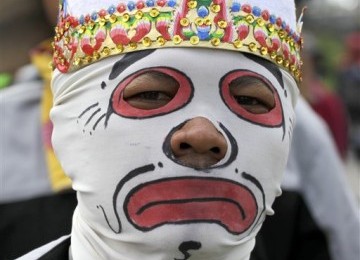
column 171, row 153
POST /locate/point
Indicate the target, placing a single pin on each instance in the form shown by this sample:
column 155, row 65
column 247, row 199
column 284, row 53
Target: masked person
column 174, row 121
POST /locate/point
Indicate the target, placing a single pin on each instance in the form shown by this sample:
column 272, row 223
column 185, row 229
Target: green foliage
column 332, row 49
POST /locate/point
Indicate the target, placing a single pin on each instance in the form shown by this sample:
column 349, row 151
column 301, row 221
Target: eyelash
column 151, row 95
column 246, row 100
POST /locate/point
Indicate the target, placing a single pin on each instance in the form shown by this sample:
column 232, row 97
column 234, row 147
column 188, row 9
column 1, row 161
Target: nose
column 198, row 144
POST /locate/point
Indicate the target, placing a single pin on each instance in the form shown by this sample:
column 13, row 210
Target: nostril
column 197, row 143
column 184, row 146
column 215, row 150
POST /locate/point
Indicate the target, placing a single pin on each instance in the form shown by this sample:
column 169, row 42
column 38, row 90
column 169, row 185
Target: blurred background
column 23, row 24
column 332, row 37
column 331, row 21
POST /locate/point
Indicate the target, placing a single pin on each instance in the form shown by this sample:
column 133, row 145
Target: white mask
column 136, row 200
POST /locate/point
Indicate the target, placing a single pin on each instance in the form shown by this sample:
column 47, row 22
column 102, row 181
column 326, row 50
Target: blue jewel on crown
column 203, row 31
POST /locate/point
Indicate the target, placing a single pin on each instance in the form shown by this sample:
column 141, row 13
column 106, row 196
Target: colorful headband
column 218, row 24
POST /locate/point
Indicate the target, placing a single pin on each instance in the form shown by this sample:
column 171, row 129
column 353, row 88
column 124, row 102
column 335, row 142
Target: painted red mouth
column 191, row 200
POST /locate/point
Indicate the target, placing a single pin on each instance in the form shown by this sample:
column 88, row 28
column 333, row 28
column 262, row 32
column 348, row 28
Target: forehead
column 196, row 63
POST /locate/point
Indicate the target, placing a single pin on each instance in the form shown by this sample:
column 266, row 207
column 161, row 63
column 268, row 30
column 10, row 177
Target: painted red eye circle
column 252, row 97
column 152, row 92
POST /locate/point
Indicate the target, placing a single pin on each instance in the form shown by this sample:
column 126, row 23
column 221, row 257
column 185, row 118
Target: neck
column 88, row 243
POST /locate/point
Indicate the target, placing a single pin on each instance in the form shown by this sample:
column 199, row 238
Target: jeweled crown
column 131, row 26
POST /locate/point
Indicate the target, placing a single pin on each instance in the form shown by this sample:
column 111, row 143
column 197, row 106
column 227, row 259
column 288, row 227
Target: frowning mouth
column 187, row 200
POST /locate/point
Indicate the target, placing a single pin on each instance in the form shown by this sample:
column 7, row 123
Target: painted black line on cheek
column 109, row 112
column 128, row 60
column 252, row 179
column 248, row 177
column 88, row 109
column 234, row 147
column 283, row 124
column 92, row 115
column 98, row 121
column 291, row 128
column 129, row 176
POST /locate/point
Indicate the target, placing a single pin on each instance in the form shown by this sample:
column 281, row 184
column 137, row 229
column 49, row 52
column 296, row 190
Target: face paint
column 123, row 108
column 114, row 134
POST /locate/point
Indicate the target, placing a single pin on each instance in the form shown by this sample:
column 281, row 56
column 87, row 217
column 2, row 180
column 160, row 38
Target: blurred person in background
column 315, row 173
column 36, row 200
column 327, row 223
column 349, row 86
column 315, row 183
column 325, row 102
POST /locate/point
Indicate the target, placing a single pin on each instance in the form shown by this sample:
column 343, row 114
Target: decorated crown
column 264, row 28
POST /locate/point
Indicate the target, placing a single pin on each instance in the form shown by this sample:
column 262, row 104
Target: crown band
column 174, row 23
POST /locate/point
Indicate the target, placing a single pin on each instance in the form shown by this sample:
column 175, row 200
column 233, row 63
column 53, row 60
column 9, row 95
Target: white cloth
column 316, row 171
column 120, row 162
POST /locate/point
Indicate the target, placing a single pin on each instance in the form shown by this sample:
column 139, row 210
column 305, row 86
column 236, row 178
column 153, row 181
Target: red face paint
column 192, row 200
column 273, row 118
column 182, row 97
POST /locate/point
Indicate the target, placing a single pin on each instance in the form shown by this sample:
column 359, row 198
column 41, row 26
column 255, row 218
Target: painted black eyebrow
column 271, row 67
column 129, row 59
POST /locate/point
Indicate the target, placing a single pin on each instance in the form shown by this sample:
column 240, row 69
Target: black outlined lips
column 188, row 200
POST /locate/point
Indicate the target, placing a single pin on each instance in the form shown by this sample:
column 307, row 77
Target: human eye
column 151, row 92
column 251, row 97
column 252, row 94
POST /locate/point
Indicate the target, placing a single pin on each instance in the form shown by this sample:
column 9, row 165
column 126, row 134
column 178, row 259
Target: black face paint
column 252, row 179
column 93, row 116
column 269, row 66
column 186, row 246
column 119, row 67
column 126, row 61
column 273, row 69
column 130, row 175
